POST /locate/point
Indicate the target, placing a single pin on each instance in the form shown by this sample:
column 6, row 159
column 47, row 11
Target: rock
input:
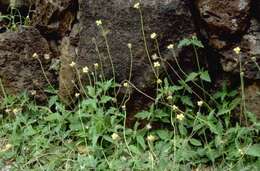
column 67, row 76
column 252, row 93
column 226, row 25
column 225, row 17
column 250, row 47
column 19, row 71
column 171, row 20
column 54, row 18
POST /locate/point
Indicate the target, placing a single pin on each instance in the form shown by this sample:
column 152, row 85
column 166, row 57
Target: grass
column 194, row 132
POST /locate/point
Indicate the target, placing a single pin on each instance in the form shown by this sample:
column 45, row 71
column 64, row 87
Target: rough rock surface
column 54, row 18
column 171, row 20
column 226, row 25
column 252, row 93
column 18, row 70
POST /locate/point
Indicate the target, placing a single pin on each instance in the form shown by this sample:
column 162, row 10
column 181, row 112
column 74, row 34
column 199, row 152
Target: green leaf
column 143, row 115
column 195, row 142
column 164, row 134
column 184, row 42
column 105, row 99
column 140, row 140
column 254, row 150
column 205, row 76
column 191, row 76
column 187, row 101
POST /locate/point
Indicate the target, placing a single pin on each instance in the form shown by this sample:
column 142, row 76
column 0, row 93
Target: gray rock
column 18, row 70
column 171, row 20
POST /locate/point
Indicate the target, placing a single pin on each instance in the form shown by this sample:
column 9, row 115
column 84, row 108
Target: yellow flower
column 33, row 92
column 237, row 50
column 7, row 147
column 155, row 57
column 148, row 126
column 16, row 110
column 98, row 22
column 180, row 117
column 124, row 107
column 77, row 95
column 153, row 36
column 126, row 84
column 241, row 151
column 72, row 64
column 175, row 108
column 159, row 81
column 253, row 59
column 46, row 56
column 96, row 65
column 151, row 138
column 170, row 46
column 156, row 64
column 115, row 136
column 129, row 45
column 200, row 103
column 85, row 69
column 137, row 5
column 169, row 97
column 35, row 55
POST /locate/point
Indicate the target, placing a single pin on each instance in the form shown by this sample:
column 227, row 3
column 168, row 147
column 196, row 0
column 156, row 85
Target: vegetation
column 194, row 132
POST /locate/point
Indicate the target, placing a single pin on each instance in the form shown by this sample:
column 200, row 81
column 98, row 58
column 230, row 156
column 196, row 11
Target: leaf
column 254, row 150
column 143, row 115
column 134, row 149
column 195, row 142
column 191, row 76
column 140, row 140
column 183, row 130
column 205, row 76
column 105, row 99
column 184, row 42
column 187, row 101
column 164, row 134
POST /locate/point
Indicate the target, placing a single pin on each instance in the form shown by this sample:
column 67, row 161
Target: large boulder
column 171, row 20
column 226, row 25
column 54, row 18
column 19, row 71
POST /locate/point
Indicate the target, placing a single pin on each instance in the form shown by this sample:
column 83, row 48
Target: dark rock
column 225, row 17
column 171, row 20
column 18, row 69
column 54, row 18
column 252, row 93
column 250, row 49
column 67, row 76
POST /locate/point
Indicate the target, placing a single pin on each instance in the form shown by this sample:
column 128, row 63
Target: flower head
column 33, row 92
column 148, row 126
column 153, row 36
column 124, row 107
column 169, row 97
column 115, row 136
column 253, row 59
column 96, row 65
column 72, row 64
column 155, row 57
column 200, row 103
column 151, row 138
column 129, row 45
column 175, row 108
column 137, row 5
column 35, row 55
column 126, row 84
column 237, row 50
column 180, row 117
column 159, row 81
column 156, row 64
column 85, row 69
column 77, row 95
column 46, row 56
column 170, row 46
column 98, row 22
